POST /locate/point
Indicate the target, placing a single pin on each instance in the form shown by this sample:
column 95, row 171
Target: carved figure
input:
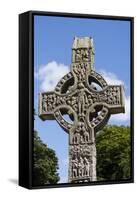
column 75, row 168
column 81, row 167
column 86, row 167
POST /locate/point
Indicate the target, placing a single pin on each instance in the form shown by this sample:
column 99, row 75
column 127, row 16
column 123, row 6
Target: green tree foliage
column 113, row 153
column 45, row 163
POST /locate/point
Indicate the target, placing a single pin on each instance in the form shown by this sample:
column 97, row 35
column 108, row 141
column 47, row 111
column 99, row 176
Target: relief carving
column 80, row 167
column 82, row 55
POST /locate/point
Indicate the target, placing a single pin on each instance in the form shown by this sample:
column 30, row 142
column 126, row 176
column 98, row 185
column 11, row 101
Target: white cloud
column 50, row 74
column 123, row 116
column 111, row 78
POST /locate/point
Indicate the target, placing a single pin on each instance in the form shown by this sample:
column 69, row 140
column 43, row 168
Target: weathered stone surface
column 84, row 95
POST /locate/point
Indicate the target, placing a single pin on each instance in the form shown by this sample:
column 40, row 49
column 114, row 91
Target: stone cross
column 85, row 97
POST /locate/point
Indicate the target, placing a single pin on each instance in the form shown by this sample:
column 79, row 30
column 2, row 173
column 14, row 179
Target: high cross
column 84, row 95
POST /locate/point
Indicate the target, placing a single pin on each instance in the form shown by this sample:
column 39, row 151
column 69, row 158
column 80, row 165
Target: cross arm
column 48, row 101
column 112, row 97
column 53, row 106
column 46, row 105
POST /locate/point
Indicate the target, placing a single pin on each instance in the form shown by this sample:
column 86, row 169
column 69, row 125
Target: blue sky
column 53, row 38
